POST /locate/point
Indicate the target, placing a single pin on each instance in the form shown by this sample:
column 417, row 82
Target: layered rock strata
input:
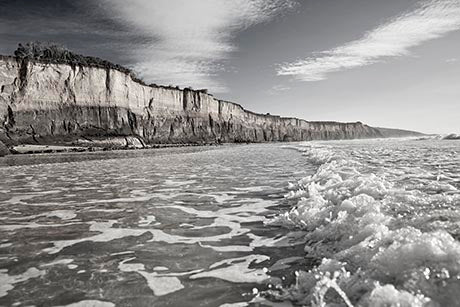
column 55, row 103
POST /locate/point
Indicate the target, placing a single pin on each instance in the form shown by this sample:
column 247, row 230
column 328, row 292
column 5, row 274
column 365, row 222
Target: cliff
column 395, row 133
column 54, row 103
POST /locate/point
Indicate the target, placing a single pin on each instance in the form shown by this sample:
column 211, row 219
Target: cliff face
column 395, row 133
column 44, row 103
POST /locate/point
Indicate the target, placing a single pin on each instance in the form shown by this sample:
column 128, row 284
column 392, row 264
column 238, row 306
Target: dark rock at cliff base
column 3, row 150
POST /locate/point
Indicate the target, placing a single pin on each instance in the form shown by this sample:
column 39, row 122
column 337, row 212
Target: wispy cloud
column 190, row 39
column 276, row 89
column 429, row 20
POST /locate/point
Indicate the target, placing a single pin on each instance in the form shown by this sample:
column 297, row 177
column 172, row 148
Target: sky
column 392, row 63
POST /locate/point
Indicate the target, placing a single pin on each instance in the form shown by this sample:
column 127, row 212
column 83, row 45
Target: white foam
column 122, row 253
column 388, row 295
column 241, row 304
column 160, row 284
column 106, row 234
column 237, row 270
column 253, row 188
column 222, row 198
column 32, row 225
column 7, row 282
column 62, row 214
column 57, row 262
column 230, row 217
column 122, row 200
column 90, row 303
column 146, row 221
column 365, row 211
column 178, row 183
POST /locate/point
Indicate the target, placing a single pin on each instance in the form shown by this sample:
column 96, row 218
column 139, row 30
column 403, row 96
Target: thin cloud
column 189, row 39
column 276, row 89
column 430, row 20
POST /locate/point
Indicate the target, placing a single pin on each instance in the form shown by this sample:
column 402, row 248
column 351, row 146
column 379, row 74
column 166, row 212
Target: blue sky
column 392, row 63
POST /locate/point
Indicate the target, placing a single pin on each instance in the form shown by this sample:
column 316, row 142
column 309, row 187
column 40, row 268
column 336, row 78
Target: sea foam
column 381, row 229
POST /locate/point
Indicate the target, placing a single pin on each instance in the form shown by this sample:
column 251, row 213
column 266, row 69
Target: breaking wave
column 382, row 225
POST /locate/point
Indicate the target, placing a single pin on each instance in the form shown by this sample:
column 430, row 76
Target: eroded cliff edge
column 54, row 103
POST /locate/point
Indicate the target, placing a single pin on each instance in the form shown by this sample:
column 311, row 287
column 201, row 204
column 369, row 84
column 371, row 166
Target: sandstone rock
column 43, row 102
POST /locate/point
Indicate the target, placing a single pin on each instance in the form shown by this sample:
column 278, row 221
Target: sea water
column 167, row 227
column 346, row 223
column 382, row 219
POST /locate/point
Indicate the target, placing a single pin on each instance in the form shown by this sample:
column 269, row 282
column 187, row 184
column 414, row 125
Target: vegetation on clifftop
column 56, row 54
column 53, row 53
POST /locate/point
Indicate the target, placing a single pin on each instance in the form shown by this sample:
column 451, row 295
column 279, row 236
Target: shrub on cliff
column 53, row 53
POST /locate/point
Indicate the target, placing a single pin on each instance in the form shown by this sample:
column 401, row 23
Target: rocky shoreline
column 90, row 147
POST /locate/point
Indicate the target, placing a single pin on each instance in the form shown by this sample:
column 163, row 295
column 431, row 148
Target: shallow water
column 346, row 223
column 169, row 227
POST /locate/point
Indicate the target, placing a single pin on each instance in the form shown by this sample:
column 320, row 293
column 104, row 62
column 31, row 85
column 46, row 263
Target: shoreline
column 85, row 144
column 113, row 144
column 31, row 149
column 50, row 154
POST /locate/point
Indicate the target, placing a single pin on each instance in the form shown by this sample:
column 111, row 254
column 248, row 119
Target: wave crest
column 383, row 233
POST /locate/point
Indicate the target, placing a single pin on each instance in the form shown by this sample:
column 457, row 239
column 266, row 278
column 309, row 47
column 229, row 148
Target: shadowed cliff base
column 55, row 98
column 3, row 150
column 69, row 123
